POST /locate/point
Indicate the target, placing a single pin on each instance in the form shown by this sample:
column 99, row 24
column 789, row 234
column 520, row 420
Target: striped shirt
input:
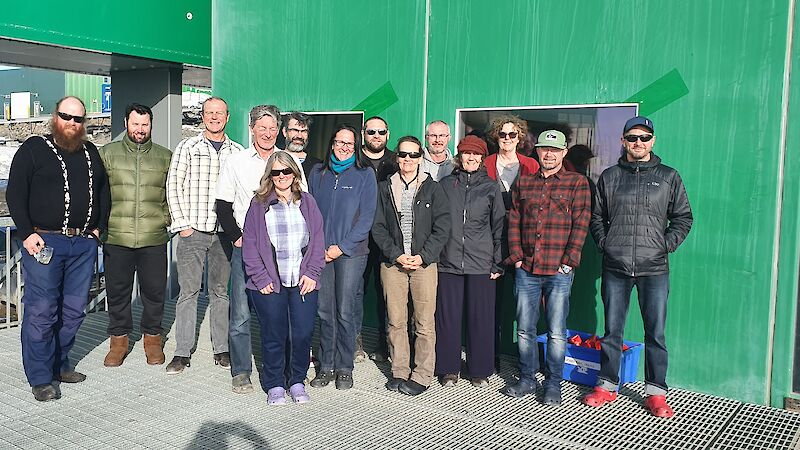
column 288, row 233
column 192, row 183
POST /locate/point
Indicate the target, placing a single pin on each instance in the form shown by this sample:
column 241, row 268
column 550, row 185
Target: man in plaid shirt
column 191, row 195
column 548, row 222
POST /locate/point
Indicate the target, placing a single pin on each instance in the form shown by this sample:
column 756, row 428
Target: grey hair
column 265, row 110
column 427, row 129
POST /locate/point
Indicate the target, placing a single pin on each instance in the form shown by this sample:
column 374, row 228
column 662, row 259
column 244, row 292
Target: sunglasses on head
column 414, row 155
column 634, row 137
column 382, row 131
column 278, row 172
column 511, row 135
column 67, row 117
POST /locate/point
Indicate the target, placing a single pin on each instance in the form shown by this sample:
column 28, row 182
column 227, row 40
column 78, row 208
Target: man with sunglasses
column 547, row 226
column 436, row 158
column 640, row 215
column 239, row 177
column 191, row 186
column 376, row 136
column 60, row 242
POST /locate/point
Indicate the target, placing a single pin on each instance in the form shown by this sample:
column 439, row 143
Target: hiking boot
column 177, row 364
column 241, row 384
column 298, row 393
column 45, row 392
column 71, row 377
column 222, row 359
column 117, row 351
column 344, row 381
column 152, row 349
column 323, row 378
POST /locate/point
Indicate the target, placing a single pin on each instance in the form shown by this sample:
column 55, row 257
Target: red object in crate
column 575, row 340
column 592, row 342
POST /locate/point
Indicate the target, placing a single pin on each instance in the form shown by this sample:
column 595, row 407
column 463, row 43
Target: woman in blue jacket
column 346, row 193
column 282, row 252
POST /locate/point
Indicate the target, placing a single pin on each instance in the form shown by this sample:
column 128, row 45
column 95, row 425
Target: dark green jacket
column 137, row 174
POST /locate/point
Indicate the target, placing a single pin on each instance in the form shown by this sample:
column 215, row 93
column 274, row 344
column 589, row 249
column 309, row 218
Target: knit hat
column 473, row 144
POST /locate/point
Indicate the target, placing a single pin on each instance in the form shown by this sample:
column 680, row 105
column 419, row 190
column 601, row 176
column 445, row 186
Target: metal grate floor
column 137, row 406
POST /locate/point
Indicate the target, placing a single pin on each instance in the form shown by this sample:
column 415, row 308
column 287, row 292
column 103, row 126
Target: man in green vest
column 137, row 234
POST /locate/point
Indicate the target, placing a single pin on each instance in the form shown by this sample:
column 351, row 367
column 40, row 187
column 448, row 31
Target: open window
column 599, row 127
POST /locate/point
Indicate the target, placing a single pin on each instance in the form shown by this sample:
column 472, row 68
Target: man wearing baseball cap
column 547, row 225
column 640, row 215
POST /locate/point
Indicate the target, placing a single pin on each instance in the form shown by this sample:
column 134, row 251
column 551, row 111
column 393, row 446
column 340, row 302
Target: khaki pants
column 422, row 283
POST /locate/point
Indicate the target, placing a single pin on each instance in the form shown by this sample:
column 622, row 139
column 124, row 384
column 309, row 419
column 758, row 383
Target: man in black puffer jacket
column 641, row 214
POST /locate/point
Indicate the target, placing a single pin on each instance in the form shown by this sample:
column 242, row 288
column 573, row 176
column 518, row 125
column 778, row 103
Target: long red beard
column 67, row 138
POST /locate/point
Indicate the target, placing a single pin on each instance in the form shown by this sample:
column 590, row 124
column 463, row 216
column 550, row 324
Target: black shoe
column 177, row 364
column 323, row 378
column 521, row 389
column 411, row 387
column 45, row 392
column 71, row 377
column 344, row 381
column 552, row 397
column 394, row 384
column 222, row 359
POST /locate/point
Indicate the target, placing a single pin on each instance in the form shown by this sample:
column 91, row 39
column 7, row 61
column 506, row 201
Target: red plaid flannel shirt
column 548, row 221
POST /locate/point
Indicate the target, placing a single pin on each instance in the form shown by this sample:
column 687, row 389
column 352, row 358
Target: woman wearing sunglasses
column 412, row 225
column 507, row 165
column 470, row 263
column 283, row 256
column 346, row 192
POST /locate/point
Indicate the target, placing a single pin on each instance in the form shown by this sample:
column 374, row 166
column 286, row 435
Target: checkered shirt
column 288, row 233
column 548, row 221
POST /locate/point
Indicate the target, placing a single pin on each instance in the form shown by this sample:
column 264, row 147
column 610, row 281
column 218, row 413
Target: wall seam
column 425, row 67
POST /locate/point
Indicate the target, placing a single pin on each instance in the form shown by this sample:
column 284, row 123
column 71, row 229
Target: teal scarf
column 340, row 166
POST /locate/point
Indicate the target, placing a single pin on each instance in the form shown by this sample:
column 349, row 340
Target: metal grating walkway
column 137, row 406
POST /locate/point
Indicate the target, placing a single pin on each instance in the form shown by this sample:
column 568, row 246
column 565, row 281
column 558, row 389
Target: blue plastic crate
column 582, row 365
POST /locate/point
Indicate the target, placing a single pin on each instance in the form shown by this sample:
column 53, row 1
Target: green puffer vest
column 137, row 174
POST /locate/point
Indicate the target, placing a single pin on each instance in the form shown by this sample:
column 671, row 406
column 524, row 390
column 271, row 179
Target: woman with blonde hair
column 283, row 256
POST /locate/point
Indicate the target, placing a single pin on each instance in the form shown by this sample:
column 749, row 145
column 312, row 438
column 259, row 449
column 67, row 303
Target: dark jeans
column 529, row 289
column 150, row 263
column 653, row 292
column 285, row 318
column 239, row 344
column 338, row 311
column 476, row 294
column 55, row 300
column 373, row 272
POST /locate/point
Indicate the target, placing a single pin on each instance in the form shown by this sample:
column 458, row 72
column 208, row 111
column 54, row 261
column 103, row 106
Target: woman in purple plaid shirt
column 283, row 256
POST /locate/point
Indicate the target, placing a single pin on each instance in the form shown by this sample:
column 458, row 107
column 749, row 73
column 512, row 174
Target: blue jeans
column 529, row 288
column 55, row 300
column 287, row 323
column 653, row 291
column 239, row 344
column 338, row 312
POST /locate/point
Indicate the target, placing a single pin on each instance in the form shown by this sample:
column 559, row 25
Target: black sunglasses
column 503, row 134
column 278, row 172
column 67, row 117
column 415, row 155
column 634, row 137
column 382, row 131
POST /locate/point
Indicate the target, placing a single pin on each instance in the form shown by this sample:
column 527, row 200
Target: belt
column 69, row 232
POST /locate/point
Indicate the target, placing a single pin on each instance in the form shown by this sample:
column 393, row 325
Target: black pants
column 151, row 265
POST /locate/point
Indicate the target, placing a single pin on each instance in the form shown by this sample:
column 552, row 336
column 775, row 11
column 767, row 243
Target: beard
column 372, row 149
column 68, row 137
column 296, row 148
column 136, row 140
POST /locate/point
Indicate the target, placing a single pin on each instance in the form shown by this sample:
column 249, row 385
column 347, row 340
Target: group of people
column 294, row 239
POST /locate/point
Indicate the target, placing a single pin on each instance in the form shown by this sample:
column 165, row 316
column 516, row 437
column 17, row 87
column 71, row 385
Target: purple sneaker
column 298, row 393
column 276, row 396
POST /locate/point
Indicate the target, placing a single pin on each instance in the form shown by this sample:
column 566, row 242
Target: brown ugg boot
column 153, row 350
column 116, row 354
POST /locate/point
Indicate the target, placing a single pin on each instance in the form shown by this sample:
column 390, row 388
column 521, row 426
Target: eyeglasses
column 339, row 143
column 298, row 130
column 641, row 137
column 438, row 136
column 381, row 131
column 503, row 134
column 67, row 117
column 278, row 172
column 415, row 155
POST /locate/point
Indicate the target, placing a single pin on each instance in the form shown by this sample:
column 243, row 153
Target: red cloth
column 529, row 165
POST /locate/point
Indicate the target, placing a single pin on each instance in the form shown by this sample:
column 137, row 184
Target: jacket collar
column 645, row 165
column 132, row 146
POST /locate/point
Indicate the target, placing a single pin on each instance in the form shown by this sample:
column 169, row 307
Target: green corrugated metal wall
column 86, row 87
column 724, row 135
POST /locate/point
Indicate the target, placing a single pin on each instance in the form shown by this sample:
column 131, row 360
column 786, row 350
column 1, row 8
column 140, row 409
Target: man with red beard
column 60, row 243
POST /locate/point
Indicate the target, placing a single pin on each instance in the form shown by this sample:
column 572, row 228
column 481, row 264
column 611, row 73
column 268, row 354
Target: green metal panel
column 149, row 28
column 710, row 74
column 86, row 87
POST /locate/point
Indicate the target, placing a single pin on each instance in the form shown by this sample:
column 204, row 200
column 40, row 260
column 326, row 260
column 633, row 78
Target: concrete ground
column 137, row 406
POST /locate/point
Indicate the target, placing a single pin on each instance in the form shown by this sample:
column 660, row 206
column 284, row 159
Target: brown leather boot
column 116, row 354
column 153, row 350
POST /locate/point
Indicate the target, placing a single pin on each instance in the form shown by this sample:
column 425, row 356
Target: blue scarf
column 340, row 166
